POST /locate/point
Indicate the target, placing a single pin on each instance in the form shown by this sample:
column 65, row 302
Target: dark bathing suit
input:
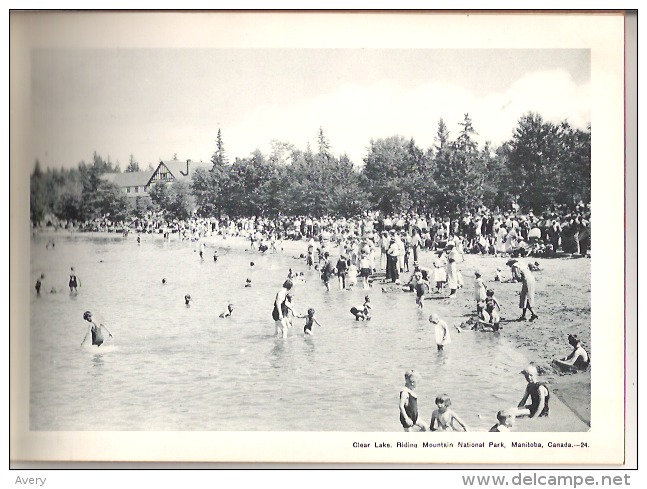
column 533, row 389
column 308, row 325
column 97, row 337
column 411, row 409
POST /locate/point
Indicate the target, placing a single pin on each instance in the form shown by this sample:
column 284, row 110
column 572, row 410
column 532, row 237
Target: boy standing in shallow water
column 409, row 402
column 441, row 331
column 95, row 329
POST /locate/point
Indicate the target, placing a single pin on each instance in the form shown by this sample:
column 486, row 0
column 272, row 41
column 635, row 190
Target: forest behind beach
column 542, row 165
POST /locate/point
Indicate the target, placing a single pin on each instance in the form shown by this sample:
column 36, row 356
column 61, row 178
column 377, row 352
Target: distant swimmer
column 39, row 283
column 74, row 281
column 95, row 329
column 164, row 281
column 227, row 313
column 187, row 300
column 248, row 282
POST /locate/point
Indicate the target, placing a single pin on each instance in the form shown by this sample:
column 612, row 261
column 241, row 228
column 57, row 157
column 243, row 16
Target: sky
column 156, row 103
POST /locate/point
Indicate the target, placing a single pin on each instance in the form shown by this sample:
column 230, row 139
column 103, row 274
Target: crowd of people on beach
column 482, row 231
column 385, row 251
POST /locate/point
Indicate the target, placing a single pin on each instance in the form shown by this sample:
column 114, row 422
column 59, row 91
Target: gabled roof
column 179, row 168
column 129, row 179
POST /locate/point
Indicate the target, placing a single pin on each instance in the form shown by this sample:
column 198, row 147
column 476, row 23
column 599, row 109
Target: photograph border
column 29, row 30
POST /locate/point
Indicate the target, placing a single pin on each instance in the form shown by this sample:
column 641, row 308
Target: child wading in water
column 310, row 321
column 442, row 419
column 95, row 329
column 227, row 313
column 419, row 285
column 362, row 312
column 409, row 402
column 74, row 282
column 441, row 331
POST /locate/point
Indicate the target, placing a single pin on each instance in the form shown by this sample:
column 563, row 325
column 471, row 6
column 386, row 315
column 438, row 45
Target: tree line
column 540, row 166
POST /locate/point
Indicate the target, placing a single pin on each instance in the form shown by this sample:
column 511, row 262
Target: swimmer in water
column 248, row 282
column 227, row 313
column 95, row 329
column 363, row 311
column 39, row 283
column 187, row 300
column 442, row 419
column 310, row 321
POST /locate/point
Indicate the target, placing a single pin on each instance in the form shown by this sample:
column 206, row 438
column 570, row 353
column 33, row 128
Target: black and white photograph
column 393, row 247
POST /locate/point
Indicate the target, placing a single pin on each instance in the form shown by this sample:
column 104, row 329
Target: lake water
column 170, row 367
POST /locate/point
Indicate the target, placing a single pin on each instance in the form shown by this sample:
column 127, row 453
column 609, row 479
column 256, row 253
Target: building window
column 136, row 189
column 127, row 190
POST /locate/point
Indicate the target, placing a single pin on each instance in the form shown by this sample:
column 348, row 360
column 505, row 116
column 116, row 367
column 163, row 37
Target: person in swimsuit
column 95, row 329
column 342, row 270
column 39, row 283
column 362, row 312
column 409, row 402
column 279, row 311
column 505, row 421
column 538, row 393
column 442, row 419
column 441, row 330
column 578, row 359
column 74, row 282
column 187, row 300
column 227, row 313
column 420, row 286
column 310, row 321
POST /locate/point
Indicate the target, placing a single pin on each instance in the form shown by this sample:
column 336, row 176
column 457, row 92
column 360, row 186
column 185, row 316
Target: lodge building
column 138, row 184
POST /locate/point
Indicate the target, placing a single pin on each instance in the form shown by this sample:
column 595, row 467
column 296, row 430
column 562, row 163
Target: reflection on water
column 97, row 360
column 172, row 367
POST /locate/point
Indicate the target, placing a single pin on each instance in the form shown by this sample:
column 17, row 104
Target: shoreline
column 539, row 341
